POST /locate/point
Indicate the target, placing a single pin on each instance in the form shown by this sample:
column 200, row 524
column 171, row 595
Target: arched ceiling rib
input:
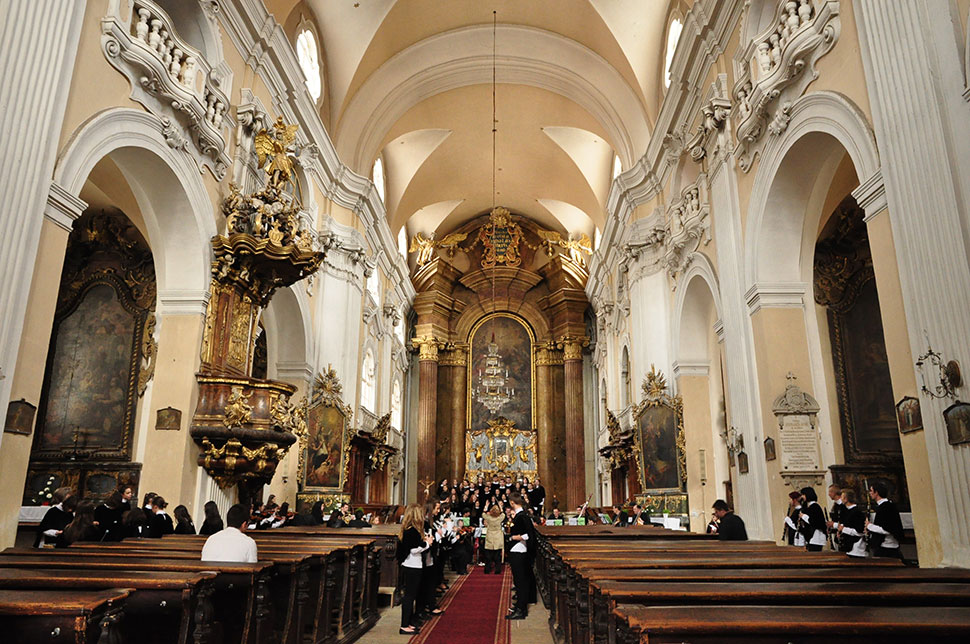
column 411, row 80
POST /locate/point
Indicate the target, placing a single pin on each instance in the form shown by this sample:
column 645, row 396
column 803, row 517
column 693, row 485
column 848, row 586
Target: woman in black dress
column 82, row 528
column 212, row 522
column 184, row 523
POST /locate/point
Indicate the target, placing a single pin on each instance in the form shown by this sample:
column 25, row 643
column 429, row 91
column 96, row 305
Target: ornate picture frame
column 325, row 443
column 659, row 443
column 908, row 415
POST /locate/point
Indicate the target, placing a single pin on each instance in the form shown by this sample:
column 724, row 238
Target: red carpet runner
column 475, row 608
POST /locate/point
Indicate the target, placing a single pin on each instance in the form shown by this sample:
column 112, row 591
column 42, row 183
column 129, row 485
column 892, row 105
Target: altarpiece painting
column 325, row 444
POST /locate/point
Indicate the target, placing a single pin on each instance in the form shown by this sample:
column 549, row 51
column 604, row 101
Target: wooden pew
column 289, row 583
column 607, row 594
column 782, row 624
column 385, row 534
column 357, row 583
column 594, row 585
column 178, row 605
column 68, row 617
column 241, row 604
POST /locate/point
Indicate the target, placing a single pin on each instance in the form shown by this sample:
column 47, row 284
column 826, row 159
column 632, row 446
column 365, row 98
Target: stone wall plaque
column 799, row 443
column 801, row 456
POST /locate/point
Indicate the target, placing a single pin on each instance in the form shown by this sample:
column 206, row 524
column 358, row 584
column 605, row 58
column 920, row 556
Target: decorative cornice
column 687, row 368
column 781, row 295
column 183, row 302
column 62, row 207
column 871, row 195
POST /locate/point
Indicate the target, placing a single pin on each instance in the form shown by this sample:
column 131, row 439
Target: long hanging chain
column 494, row 136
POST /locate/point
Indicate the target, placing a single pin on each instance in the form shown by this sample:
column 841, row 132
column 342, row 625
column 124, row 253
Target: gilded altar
column 501, row 449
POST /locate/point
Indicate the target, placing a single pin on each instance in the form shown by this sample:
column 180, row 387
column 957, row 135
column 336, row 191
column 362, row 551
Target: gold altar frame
column 502, row 428
column 469, row 379
column 655, row 397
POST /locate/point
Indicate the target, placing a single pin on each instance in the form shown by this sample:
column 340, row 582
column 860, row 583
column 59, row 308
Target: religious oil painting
column 658, row 427
column 908, row 415
column 500, row 378
column 90, row 373
column 957, row 417
column 323, row 462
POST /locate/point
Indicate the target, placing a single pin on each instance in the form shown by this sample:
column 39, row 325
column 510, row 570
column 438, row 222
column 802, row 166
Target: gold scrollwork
column 149, row 351
column 238, row 410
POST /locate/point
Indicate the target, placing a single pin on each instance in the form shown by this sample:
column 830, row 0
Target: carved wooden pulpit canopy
column 245, row 425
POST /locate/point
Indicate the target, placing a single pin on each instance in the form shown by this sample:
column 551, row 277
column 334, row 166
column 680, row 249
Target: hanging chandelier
column 493, row 391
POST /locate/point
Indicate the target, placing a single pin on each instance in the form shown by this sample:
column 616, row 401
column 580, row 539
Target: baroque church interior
column 661, row 252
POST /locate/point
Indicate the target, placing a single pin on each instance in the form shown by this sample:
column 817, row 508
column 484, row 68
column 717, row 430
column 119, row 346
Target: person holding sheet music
column 521, row 556
column 886, row 528
column 791, row 534
column 812, row 521
column 852, row 526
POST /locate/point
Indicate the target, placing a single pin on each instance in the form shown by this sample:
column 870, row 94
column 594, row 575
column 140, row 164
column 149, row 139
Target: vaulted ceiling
column 577, row 83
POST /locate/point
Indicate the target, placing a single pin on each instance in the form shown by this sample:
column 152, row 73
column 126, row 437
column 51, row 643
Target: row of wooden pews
column 647, row 584
column 307, row 588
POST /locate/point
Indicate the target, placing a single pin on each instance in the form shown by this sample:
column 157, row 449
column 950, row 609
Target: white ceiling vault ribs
column 402, row 158
column 348, row 29
column 590, row 153
column 462, row 57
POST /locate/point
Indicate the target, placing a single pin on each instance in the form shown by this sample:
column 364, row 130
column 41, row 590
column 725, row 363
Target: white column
column 915, row 85
column 38, row 43
column 751, row 492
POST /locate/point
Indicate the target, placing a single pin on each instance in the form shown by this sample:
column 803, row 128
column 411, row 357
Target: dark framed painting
column 957, row 417
column 659, row 439
column 325, row 445
column 770, row 454
column 501, row 377
column 908, row 415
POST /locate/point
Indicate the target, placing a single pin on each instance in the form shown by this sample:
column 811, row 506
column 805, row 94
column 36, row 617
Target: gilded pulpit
column 245, row 425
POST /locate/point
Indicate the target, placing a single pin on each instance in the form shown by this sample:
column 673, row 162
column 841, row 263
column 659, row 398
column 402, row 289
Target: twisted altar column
column 427, row 413
column 575, row 439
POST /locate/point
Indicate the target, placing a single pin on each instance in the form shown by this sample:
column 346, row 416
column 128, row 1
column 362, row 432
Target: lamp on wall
column 949, row 373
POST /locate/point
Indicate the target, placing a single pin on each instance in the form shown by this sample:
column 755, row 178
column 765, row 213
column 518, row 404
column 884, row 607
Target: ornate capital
column 427, row 346
column 572, row 346
column 454, row 355
column 547, row 355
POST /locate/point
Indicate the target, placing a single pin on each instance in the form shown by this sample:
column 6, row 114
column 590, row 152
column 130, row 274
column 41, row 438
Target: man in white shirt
column 231, row 544
column 519, row 560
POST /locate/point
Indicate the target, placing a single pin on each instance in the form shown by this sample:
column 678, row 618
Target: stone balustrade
column 170, row 78
column 775, row 67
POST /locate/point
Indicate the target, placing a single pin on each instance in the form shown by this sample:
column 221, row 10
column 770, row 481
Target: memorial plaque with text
column 799, row 444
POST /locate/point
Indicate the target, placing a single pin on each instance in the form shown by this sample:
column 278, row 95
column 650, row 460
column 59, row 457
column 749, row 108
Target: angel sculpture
column 424, row 247
column 550, row 239
column 577, row 247
column 275, row 147
column 451, row 241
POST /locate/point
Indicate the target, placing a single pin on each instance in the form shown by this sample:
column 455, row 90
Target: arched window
column 378, row 177
column 673, row 35
column 368, row 377
column 617, row 166
column 396, row 407
column 401, row 329
column 307, row 54
column 402, row 241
